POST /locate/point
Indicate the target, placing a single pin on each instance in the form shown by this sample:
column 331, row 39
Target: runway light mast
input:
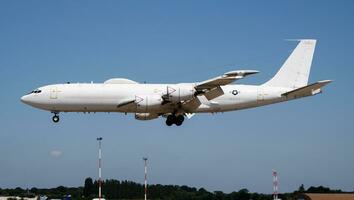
column 99, row 168
column 275, row 185
column 145, row 178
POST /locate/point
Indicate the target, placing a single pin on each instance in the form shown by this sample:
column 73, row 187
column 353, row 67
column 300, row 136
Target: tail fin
column 296, row 70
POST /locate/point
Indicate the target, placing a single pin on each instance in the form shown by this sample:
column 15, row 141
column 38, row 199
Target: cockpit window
column 36, row 91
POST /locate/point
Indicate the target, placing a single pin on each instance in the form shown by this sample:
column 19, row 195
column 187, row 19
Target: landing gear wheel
column 173, row 119
column 170, row 120
column 169, row 123
column 179, row 120
column 55, row 118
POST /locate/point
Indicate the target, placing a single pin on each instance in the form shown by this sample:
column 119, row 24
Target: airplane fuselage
column 90, row 97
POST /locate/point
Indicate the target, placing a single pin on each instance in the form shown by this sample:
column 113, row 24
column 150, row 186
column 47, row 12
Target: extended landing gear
column 173, row 119
column 55, row 118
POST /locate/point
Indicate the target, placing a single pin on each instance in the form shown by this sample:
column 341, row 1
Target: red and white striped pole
column 275, row 185
column 145, row 179
column 99, row 168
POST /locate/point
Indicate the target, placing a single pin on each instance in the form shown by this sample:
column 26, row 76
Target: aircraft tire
column 168, row 123
column 55, row 118
column 171, row 119
column 179, row 120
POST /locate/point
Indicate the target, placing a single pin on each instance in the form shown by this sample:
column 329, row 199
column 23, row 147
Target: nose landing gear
column 55, row 118
column 173, row 119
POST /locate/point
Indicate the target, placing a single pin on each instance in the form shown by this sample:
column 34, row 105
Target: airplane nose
column 25, row 99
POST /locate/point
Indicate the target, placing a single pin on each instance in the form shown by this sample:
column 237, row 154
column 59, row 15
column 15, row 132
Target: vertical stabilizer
column 296, row 70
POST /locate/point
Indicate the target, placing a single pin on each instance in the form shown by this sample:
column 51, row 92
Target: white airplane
column 175, row 101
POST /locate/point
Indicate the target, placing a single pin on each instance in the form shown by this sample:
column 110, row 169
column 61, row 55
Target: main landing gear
column 173, row 119
column 55, row 118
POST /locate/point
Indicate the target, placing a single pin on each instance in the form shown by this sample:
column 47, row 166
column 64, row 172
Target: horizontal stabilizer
column 308, row 90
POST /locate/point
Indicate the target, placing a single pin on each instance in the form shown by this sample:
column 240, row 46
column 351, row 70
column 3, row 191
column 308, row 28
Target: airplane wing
column 128, row 102
column 224, row 79
column 190, row 105
column 308, row 90
column 211, row 88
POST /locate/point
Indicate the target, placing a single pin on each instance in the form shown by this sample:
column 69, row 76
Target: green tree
column 219, row 195
column 244, row 194
column 88, row 187
column 301, row 188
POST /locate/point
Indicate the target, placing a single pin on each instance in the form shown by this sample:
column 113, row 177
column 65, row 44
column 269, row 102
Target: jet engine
column 146, row 104
column 146, row 116
column 178, row 93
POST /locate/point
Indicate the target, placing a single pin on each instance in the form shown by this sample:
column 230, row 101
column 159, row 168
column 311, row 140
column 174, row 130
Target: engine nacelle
column 146, row 116
column 146, row 104
column 179, row 92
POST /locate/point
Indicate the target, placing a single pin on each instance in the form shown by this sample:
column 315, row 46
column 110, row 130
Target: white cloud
column 56, row 153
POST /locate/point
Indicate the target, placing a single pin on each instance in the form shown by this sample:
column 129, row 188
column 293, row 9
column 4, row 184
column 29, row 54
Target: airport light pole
column 145, row 178
column 99, row 168
column 275, row 185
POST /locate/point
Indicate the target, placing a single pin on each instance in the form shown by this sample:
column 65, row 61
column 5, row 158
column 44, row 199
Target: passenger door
column 54, row 93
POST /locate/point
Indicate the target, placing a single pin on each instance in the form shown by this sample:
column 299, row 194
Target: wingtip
column 326, row 81
column 245, row 72
column 253, row 71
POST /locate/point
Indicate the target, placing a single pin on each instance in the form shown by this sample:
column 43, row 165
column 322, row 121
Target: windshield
column 36, row 91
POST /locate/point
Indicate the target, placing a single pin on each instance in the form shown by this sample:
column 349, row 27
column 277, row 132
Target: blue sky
column 309, row 141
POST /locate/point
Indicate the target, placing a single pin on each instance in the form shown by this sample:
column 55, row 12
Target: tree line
column 115, row 189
